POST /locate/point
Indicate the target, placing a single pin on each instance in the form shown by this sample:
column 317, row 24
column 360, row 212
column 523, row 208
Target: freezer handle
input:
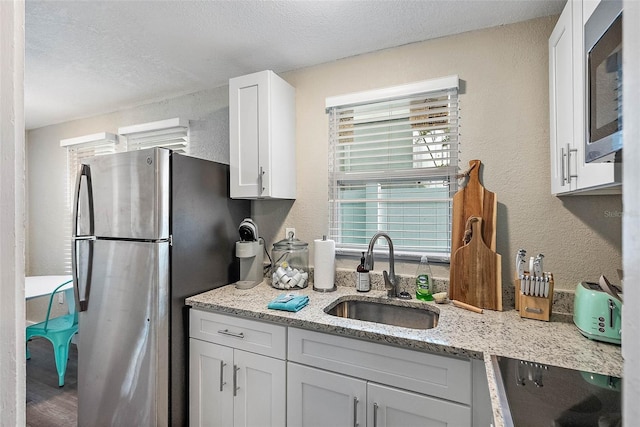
column 85, row 170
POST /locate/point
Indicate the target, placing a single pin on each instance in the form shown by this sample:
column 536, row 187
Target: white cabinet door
column 262, row 137
column 260, row 395
column 561, row 111
column 601, row 177
column 317, row 398
column 245, row 132
column 235, row 388
column 210, row 382
column 391, row 407
column 425, row 373
column 567, row 110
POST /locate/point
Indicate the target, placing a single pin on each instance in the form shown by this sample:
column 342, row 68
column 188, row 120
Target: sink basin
column 384, row 312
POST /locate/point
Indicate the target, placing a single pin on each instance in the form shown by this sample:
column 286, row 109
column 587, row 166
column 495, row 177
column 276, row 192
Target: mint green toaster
column 597, row 314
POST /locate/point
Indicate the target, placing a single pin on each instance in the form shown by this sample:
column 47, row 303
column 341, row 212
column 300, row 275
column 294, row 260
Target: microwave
column 603, row 115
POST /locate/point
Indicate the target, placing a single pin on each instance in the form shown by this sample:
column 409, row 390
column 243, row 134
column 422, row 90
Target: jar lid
column 290, row 243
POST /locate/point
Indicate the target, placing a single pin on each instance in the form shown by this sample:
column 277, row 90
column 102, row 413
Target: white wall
column 505, row 123
column 12, row 332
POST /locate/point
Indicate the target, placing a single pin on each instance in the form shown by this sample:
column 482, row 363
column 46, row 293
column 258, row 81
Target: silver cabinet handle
column 235, row 380
column 569, row 151
column 563, row 162
column 261, row 180
column 355, row 412
column 222, row 365
column 375, row 414
column 231, row 334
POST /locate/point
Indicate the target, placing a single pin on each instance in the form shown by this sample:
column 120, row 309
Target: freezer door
column 125, row 194
column 123, row 343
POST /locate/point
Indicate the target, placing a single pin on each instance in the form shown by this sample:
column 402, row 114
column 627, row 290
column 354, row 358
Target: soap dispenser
column 362, row 277
column 424, row 280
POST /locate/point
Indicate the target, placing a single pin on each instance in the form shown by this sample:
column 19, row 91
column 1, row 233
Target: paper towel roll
column 324, row 263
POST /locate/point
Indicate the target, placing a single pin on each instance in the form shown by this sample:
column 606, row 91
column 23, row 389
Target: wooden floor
column 47, row 404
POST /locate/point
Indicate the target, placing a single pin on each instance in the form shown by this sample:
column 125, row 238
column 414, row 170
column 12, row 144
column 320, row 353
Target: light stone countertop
column 459, row 332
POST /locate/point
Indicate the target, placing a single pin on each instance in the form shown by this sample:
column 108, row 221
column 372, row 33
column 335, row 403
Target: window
column 79, row 149
column 393, row 161
column 170, row 133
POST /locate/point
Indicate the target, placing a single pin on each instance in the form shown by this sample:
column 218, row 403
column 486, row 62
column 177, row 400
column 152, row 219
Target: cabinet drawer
column 426, row 373
column 250, row 335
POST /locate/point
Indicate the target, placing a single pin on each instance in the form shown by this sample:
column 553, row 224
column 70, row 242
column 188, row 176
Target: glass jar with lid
column 290, row 264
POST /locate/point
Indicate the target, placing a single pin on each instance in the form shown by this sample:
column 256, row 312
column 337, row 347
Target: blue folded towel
column 289, row 302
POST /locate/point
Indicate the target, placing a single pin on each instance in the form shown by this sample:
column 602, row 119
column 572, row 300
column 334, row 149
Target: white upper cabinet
column 569, row 172
column 561, row 88
column 262, row 137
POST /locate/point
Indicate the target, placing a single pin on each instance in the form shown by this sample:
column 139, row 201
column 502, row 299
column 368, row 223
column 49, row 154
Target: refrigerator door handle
column 82, row 301
column 85, row 170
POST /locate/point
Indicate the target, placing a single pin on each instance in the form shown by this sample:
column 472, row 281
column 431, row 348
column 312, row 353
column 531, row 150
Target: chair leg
column 62, row 355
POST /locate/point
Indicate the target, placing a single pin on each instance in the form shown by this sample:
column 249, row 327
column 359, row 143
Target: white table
column 37, row 286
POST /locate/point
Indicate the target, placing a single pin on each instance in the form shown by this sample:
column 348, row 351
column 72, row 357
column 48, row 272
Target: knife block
column 538, row 308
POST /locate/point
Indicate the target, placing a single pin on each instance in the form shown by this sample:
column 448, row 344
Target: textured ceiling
column 85, row 58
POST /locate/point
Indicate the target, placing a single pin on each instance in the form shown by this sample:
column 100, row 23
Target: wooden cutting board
column 477, row 273
column 474, row 200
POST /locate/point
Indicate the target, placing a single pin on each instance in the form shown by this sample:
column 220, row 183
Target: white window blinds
column 79, row 149
column 393, row 161
column 170, row 133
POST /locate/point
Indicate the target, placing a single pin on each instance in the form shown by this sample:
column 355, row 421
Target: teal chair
column 59, row 331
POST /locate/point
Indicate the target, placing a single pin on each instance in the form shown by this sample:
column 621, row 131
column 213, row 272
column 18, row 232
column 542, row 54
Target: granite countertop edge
column 459, row 333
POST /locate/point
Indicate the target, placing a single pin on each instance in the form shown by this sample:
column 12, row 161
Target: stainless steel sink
column 384, row 312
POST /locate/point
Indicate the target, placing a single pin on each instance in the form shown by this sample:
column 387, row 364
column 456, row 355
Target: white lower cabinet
column 231, row 386
column 317, row 398
column 349, row 382
column 391, row 407
column 250, row 373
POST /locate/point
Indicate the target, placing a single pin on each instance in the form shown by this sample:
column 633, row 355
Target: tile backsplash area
column 562, row 300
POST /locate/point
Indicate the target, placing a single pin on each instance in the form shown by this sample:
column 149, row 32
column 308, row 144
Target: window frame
column 447, row 176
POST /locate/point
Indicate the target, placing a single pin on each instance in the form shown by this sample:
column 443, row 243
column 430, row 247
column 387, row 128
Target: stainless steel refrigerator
column 151, row 227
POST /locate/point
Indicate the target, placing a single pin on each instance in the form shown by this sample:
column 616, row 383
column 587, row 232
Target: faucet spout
column 390, row 281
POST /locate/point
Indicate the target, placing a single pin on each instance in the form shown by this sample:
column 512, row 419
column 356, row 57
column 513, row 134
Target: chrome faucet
column 390, row 281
